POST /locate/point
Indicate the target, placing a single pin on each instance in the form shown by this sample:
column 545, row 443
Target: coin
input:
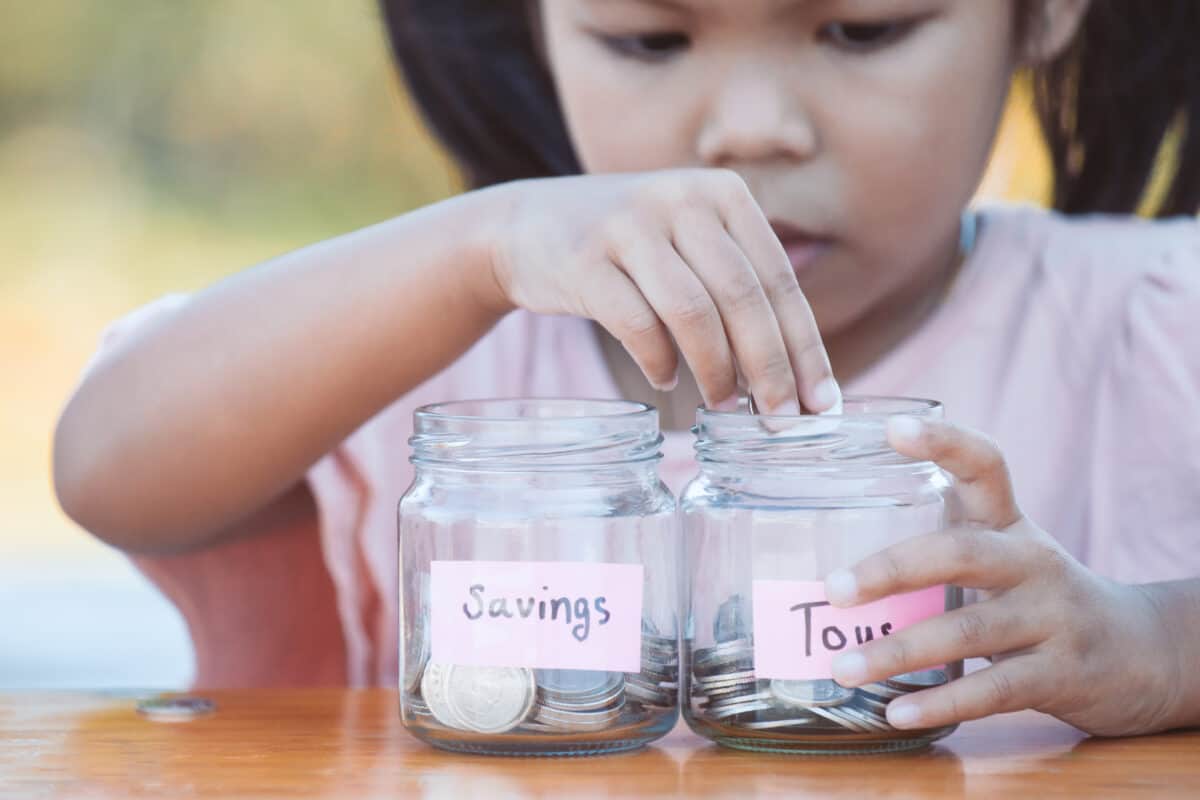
column 883, row 690
column 433, row 692
column 730, row 622
column 916, row 681
column 175, row 709
column 836, row 714
column 573, row 681
column 490, row 699
column 733, row 709
column 810, row 693
column 578, row 720
column 866, row 718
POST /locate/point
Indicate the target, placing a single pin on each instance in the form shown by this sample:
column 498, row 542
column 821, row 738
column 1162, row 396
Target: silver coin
column 734, row 709
column 726, row 677
column 866, row 718
column 715, row 668
column 174, row 709
column 650, row 696
column 480, row 699
column 834, row 714
column 730, row 622
column 771, row 724
column 433, row 692
column 573, row 681
column 872, row 703
column 592, row 703
column 883, row 690
column 810, row 693
column 578, row 720
column 752, row 697
column 417, row 706
column 916, row 681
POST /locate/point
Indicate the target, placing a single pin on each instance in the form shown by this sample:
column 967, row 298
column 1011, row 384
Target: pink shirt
column 1075, row 344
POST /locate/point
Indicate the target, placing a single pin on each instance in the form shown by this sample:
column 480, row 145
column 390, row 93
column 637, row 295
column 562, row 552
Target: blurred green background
column 149, row 146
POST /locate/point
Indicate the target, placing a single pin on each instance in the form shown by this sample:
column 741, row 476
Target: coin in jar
column 804, row 694
column 490, row 699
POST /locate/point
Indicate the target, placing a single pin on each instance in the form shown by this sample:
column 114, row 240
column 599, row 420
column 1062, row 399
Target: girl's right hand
column 683, row 255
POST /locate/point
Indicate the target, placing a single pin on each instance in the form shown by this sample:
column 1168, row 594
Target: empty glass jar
column 778, row 504
column 540, row 574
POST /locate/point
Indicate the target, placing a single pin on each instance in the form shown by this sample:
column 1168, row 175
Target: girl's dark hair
column 1125, row 89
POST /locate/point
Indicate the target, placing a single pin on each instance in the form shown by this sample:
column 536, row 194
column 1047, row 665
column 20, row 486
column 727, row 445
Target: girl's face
column 861, row 126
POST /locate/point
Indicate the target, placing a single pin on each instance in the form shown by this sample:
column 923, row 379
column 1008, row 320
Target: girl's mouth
column 802, row 248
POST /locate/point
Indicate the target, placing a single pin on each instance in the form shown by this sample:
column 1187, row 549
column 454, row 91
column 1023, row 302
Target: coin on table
column 810, row 693
column 176, row 709
column 488, row 699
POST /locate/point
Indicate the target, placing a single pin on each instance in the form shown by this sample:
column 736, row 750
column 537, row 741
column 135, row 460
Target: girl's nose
column 753, row 117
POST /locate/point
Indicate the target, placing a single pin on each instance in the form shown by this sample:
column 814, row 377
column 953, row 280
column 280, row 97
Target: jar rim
column 535, row 434
column 457, row 410
column 864, row 407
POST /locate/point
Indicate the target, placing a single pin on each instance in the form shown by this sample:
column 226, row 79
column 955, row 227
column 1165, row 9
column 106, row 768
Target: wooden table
column 349, row 744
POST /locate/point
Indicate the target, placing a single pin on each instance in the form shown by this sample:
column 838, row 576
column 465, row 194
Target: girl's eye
column 649, row 46
column 864, row 36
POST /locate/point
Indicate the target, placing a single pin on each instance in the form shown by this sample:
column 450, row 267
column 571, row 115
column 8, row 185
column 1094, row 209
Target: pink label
column 797, row 632
column 544, row 614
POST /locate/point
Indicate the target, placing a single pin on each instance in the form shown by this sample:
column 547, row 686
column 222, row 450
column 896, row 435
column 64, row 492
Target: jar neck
column 852, row 445
column 609, row 439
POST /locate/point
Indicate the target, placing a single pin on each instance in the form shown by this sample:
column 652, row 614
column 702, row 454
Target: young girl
column 774, row 187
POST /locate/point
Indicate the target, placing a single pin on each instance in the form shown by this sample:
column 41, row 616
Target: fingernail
column 903, row 715
column 788, row 408
column 729, row 404
column 841, row 588
column 904, row 429
column 826, row 395
column 849, row 669
column 669, row 385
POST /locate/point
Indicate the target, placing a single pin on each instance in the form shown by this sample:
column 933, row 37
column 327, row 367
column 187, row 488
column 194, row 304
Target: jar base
column 816, row 745
column 620, row 739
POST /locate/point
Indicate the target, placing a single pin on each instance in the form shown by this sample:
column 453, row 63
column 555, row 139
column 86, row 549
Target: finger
column 683, row 304
column 753, row 330
column 983, row 481
column 616, row 303
column 1010, row 685
column 982, row 629
column 749, row 228
column 972, row 557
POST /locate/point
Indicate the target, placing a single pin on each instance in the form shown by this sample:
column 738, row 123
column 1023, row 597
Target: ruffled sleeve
column 1145, row 462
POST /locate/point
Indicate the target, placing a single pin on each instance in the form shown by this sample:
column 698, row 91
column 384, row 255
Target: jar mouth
column 856, row 436
column 858, row 407
column 535, row 434
column 527, row 409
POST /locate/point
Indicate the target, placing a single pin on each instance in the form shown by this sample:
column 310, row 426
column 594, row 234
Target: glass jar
column 540, row 579
column 779, row 503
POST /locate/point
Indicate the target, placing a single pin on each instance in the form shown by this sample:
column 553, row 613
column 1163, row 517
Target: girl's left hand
column 1062, row 640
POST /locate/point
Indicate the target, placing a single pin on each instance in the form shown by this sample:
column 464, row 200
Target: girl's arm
column 205, row 423
column 214, row 414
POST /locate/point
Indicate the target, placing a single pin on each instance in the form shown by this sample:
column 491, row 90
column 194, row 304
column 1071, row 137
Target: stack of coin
column 575, row 701
column 657, row 684
column 499, row 699
column 725, row 689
